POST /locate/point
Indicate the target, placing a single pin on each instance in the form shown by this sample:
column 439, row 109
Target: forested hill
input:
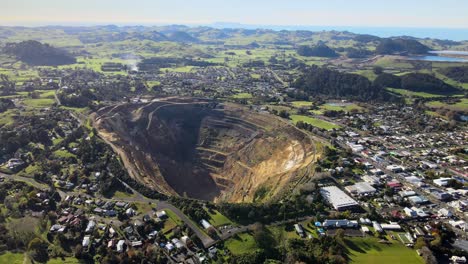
column 316, row 51
column 417, row 82
column 334, row 84
column 457, row 73
column 37, row 54
column 400, row 45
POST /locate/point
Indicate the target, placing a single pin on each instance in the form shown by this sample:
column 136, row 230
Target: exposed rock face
column 205, row 150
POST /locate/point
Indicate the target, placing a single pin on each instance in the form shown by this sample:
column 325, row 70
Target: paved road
column 206, row 240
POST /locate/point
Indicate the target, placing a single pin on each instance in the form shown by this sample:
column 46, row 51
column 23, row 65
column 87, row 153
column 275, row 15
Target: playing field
column 370, row 251
column 314, row 122
column 241, row 244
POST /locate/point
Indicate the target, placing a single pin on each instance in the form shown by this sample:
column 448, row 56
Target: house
column 169, row 247
column 90, row 227
column 161, row 214
column 120, row 246
column 177, row 243
column 361, row 189
column 152, row 234
column 340, row 223
column 391, row 226
column 457, row 259
column 136, row 244
column 121, row 204
column 86, row 241
column 444, row 212
column 205, row 224
column 186, row 240
column 299, row 230
column 395, row 168
column 377, row 227
column 130, row 212
column 57, row 228
column 442, row 182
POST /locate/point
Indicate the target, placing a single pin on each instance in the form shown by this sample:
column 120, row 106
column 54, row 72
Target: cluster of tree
column 192, row 208
column 325, row 249
column 322, row 81
column 153, row 64
column 34, row 130
column 320, row 50
column 296, row 206
column 388, row 80
column 357, row 53
column 401, row 45
column 418, row 82
column 458, row 73
column 35, row 53
column 6, row 104
column 365, row 38
column 7, row 87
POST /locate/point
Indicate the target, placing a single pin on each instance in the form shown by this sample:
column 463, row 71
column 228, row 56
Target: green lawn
column 369, row 250
column 217, row 219
column 416, row 94
column 12, row 258
column 64, row 261
column 63, row 154
column 314, row 122
column 462, row 105
column 301, row 104
column 283, row 232
column 242, row 96
column 173, row 217
column 39, row 103
column 241, row 244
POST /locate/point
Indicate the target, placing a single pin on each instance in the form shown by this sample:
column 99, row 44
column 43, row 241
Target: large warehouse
column 338, row 199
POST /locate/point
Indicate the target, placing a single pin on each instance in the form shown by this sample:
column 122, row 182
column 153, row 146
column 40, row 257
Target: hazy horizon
column 398, row 13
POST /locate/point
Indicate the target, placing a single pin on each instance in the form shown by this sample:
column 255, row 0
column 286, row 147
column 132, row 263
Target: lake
column 437, row 58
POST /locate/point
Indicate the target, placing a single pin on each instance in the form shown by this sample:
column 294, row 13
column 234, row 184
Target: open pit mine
column 205, row 149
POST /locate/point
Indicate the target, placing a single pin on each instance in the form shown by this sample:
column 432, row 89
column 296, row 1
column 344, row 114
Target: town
column 379, row 173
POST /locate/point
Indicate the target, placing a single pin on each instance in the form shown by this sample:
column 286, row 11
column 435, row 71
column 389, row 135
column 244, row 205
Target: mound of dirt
column 205, row 150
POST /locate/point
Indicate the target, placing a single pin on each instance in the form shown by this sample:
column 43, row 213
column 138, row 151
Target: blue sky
column 375, row 13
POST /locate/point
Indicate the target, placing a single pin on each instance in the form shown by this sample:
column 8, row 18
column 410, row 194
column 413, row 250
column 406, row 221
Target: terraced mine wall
column 206, row 150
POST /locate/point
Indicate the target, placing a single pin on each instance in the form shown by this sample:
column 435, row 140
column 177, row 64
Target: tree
column 420, row 243
column 377, row 70
column 38, row 249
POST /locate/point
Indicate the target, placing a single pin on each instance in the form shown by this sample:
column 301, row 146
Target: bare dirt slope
column 206, row 150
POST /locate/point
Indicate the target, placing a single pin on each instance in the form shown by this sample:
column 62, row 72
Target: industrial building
column 338, row 199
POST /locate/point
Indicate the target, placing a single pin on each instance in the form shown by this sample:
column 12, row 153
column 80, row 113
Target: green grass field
column 63, row 261
column 459, row 106
column 338, row 107
column 242, row 96
column 39, row 103
column 217, row 219
column 301, row 104
column 12, row 258
column 314, row 122
column 63, row 154
column 370, row 251
column 241, row 244
column 408, row 93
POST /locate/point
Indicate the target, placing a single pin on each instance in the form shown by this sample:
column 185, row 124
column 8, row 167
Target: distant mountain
column 401, row 45
column 316, row 51
column 181, row 36
column 37, row 54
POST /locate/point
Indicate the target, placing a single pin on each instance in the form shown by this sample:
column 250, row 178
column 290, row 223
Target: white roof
column 336, row 197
